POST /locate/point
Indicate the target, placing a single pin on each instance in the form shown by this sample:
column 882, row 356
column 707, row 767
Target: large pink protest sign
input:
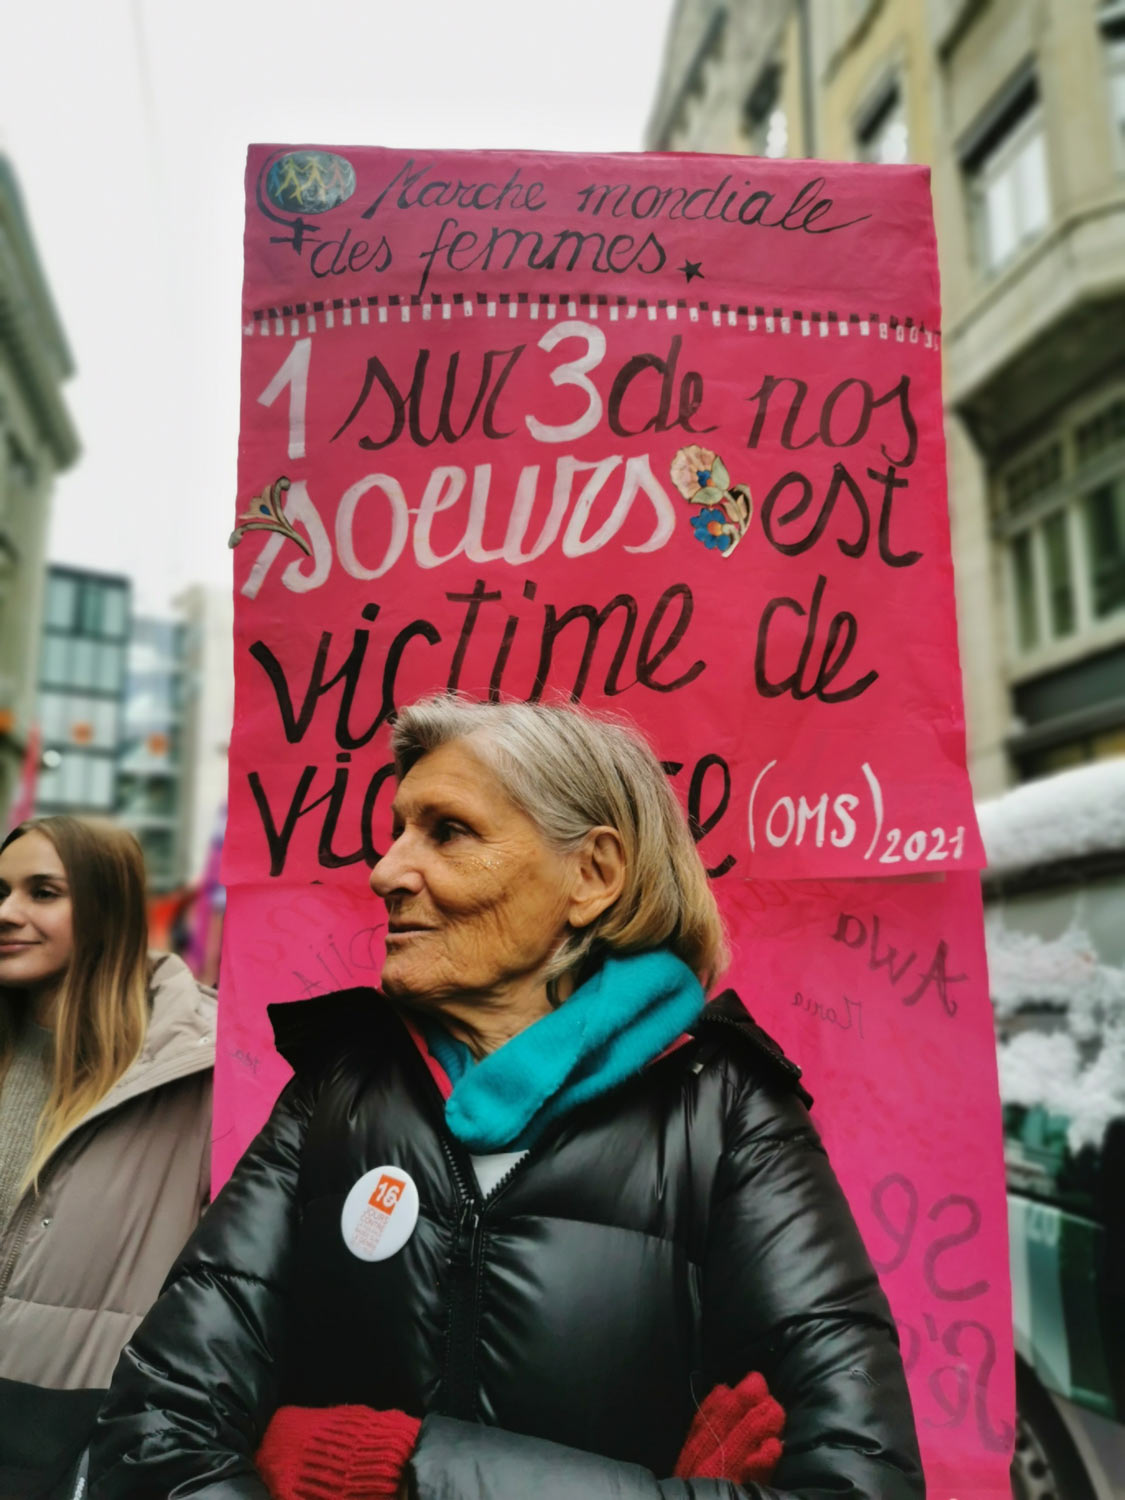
column 662, row 435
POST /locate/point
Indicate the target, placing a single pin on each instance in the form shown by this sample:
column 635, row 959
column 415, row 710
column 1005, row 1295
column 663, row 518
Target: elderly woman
column 519, row 1215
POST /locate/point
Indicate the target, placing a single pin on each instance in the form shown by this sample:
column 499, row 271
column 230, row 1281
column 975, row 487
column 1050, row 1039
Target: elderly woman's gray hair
column 569, row 771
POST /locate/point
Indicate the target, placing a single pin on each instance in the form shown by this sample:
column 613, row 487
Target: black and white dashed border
column 295, row 319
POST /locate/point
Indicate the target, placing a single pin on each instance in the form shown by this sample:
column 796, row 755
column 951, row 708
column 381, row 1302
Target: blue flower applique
column 708, row 528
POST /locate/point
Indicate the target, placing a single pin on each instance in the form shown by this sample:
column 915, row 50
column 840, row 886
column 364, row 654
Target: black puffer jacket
column 681, row 1231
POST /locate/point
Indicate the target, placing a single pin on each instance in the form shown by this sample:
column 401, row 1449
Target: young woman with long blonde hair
column 106, row 1056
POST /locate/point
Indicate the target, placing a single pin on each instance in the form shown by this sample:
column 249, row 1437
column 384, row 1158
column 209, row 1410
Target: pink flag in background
column 23, row 806
column 662, row 435
column 202, row 955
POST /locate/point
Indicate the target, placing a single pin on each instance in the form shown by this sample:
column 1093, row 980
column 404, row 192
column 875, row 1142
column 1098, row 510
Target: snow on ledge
column 1077, row 1069
column 1063, row 972
column 1075, row 812
column 1048, row 1071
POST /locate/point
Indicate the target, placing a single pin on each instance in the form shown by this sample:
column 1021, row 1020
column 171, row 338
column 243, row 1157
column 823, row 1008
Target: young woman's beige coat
column 82, row 1260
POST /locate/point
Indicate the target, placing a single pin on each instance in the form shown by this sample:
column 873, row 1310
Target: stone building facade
column 37, row 440
column 1018, row 107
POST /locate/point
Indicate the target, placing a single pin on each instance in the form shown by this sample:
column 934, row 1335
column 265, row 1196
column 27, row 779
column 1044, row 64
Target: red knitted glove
column 336, row 1452
column 735, row 1435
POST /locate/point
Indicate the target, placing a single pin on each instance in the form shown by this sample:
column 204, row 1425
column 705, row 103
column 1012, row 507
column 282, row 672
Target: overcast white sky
column 127, row 123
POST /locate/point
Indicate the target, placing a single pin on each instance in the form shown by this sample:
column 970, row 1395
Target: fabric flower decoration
column 738, row 505
column 266, row 513
column 702, row 479
column 696, row 469
column 712, row 528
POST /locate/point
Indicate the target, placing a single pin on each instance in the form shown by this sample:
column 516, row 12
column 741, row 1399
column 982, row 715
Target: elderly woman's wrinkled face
column 476, row 900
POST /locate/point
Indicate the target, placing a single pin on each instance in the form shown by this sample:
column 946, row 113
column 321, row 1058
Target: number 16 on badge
column 380, row 1213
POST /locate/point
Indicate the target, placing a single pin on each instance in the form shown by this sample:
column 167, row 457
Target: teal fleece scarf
column 615, row 1023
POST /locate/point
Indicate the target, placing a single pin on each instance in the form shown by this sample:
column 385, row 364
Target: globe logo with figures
column 310, row 182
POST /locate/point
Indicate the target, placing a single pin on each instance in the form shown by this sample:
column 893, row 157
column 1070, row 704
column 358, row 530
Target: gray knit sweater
column 23, row 1093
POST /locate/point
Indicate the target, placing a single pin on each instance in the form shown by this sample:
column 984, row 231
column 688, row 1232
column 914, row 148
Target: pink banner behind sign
column 880, row 990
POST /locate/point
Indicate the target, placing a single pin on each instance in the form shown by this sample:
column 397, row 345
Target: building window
column 1062, row 514
column 882, row 135
column 777, row 135
column 764, row 121
column 109, row 660
column 69, row 718
column 1023, row 582
column 1012, row 194
column 90, row 607
column 61, row 596
column 101, row 782
column 82, row 660
column 1005, row 168
column 1029, row 478
column 1105, row 540
column 148, row 796
column 56, row 659
column 1111, row 17
column 72, row 780
column 81, row 780
column 115, row 612
column 1101, row 432
column 1079, row 752
column 159, row 850
column 1116, row 58
column 52, row 715
column 1060, row 581
column 47, row 787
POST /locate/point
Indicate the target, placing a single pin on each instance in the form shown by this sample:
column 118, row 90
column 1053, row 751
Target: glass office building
column 82, row 690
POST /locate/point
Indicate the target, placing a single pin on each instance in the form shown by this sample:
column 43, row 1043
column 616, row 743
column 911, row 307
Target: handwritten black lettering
column 515, row 194
column 901, row 1233
column 279, row 832
column 939, row 976
column 792, row 394
column 660, row 418
column 295, row 724
column 943, row 1243
column 834, row 653
column 460, row 250
column 407, row 408
column 700, row 823
column 361, row 256
column 804, row 209
column 851, row 1017
column 595, row 620
column 856, row 933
